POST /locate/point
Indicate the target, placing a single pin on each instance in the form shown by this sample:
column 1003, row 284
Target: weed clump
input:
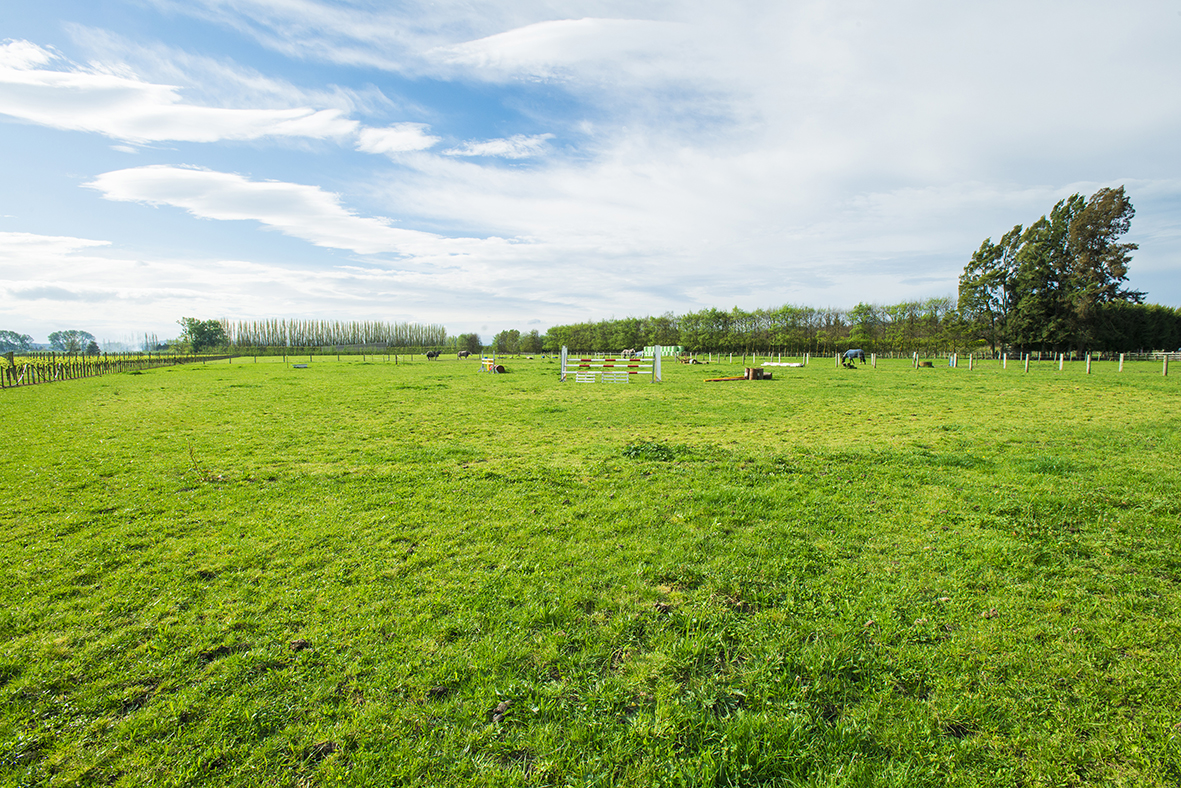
column 654, row 451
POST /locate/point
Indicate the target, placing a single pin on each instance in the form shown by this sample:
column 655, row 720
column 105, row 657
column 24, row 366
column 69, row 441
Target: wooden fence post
column 1165, row 368
column 1027, row 362
column 1121, row 362
column 1088, row 363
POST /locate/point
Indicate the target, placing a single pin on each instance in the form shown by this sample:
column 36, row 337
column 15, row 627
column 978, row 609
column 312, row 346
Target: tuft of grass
column 661, row 452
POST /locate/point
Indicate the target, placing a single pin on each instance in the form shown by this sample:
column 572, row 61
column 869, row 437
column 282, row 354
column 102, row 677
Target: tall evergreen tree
column 1042, row 286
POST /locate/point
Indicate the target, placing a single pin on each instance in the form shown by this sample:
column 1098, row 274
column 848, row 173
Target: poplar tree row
column 329, row 333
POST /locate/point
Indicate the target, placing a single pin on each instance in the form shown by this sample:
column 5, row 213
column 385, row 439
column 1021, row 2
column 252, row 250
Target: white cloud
column 398, row 138
column 216, row 81
column 297, row 210
column 24, row 55
column 519, row 146
column 388, row 36
column 128, row 109
column 563, row 48
column 15, row 245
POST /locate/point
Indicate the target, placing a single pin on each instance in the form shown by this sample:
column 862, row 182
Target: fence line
column 53, row 367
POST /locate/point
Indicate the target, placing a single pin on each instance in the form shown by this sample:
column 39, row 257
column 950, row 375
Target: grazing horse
column 463, row 354
column 432, row 354
column 851, row 356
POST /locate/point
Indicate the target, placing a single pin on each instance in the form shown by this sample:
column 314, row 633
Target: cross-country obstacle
column 490, row 365
column 610, row 369
column 752, row 373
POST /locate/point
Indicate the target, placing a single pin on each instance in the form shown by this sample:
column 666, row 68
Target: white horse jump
column 610, row 369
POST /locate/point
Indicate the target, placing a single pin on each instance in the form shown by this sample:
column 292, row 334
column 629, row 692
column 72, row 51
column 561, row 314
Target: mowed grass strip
column 379, row 574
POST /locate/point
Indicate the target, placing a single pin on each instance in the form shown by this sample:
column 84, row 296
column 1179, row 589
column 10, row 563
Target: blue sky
column 517, row 165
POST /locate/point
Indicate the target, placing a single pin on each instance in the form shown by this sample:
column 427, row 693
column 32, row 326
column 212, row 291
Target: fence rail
column 55, row 367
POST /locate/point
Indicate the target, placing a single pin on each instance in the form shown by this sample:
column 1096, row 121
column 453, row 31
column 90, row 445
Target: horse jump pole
column 586, row 368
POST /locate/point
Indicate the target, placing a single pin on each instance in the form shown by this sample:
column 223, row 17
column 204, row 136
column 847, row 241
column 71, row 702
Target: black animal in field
column 432, row 354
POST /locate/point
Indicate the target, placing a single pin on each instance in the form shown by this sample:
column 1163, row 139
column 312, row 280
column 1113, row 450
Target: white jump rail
column 610, row 369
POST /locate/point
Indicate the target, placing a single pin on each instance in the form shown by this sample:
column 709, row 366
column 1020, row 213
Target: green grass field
column 418, row 574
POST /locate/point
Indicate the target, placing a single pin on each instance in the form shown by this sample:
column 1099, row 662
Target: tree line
column 1055, row 286
column 65, row 341
column 928, row 326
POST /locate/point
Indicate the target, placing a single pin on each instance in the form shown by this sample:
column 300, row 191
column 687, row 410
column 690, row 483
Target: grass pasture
column 363, row 573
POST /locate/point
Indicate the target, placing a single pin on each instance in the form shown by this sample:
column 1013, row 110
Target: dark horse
column 851, row 356
column 432, row 354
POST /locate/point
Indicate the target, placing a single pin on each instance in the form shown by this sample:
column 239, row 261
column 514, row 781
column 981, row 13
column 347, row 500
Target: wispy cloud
column 13, row 245
column 294, row 209
column 217, row 81
column 519, row 146
column 563, row 48
column 398, row 138
column 125, row 108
